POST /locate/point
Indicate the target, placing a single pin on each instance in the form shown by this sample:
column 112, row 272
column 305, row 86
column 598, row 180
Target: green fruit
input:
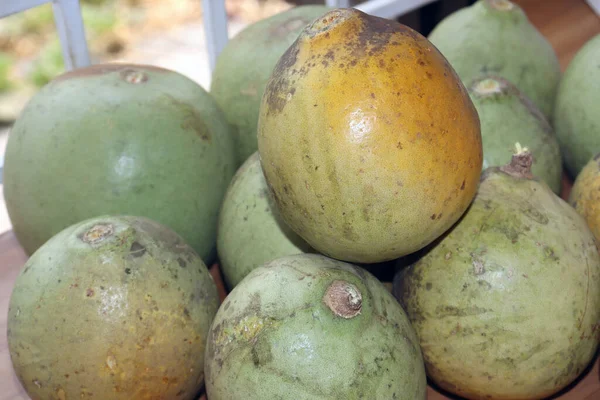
column 507, row 116
column 495, row 36
column 368, row 140
column 119, row 139
column 114, row 307
column 576, row 118
column 308, row 327
column 245, row 64
column 507, row 304
column 250, row 231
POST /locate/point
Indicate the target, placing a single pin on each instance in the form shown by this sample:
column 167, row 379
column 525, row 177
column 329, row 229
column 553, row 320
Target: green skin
column 125, row 317
column 507, row 304
column 244, row 66
column 480, row 39
column 576, row 118
column 250, row 231
column 274, row 337
column 92, row 143
column 508, row 117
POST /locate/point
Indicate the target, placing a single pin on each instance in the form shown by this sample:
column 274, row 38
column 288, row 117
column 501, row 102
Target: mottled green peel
column 114, row 308
column 507, row 117
column 506, row 305
column 309, row 327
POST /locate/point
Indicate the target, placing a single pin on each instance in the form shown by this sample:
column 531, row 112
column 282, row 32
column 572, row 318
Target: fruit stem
column 343, row 299
column 520, row 164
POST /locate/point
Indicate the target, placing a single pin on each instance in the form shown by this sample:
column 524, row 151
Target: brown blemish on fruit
column 89, row 292
column 343, row 299
column 275, row 97
column 137, row 250
column 106, row 68
column 97, row 233
column 192, row 121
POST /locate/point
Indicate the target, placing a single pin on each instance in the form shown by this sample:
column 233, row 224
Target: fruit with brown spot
column 116, row 307
column 506, row 305
column 245, row 64
column 368, row 140
column 308, row 327
column 508, row 116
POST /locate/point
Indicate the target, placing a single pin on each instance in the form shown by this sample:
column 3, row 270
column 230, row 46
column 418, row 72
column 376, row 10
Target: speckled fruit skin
column 507, row 117
column 120, row 316
column 585, row 195
column 368, row 140
column 245, row 64
column 507, row 304
column 119, row 139
column 274, row 337
column 495, row 36
column 576, row 118
column 250, row 231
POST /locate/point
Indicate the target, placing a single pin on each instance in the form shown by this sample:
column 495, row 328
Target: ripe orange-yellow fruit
column 368, row 140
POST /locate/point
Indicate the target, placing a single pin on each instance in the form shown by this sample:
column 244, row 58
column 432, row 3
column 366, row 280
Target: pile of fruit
column 333, row 150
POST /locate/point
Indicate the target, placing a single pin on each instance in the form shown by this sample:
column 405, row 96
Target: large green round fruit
column 245, row 64
column 507, row 117
column 507, row 304
column 119, row 139
column 250, row 231
column 576, row 117
column 308, row 327
column 114, row 307
column 495, row 36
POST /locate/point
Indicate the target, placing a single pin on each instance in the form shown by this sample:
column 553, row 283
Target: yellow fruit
column 585, row 195
column 368, row 140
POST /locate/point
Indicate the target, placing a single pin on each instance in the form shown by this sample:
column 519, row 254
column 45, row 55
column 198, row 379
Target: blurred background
column 170, row 33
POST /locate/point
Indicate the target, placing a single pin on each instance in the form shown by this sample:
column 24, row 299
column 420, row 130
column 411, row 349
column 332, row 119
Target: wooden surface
column 568, row 24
